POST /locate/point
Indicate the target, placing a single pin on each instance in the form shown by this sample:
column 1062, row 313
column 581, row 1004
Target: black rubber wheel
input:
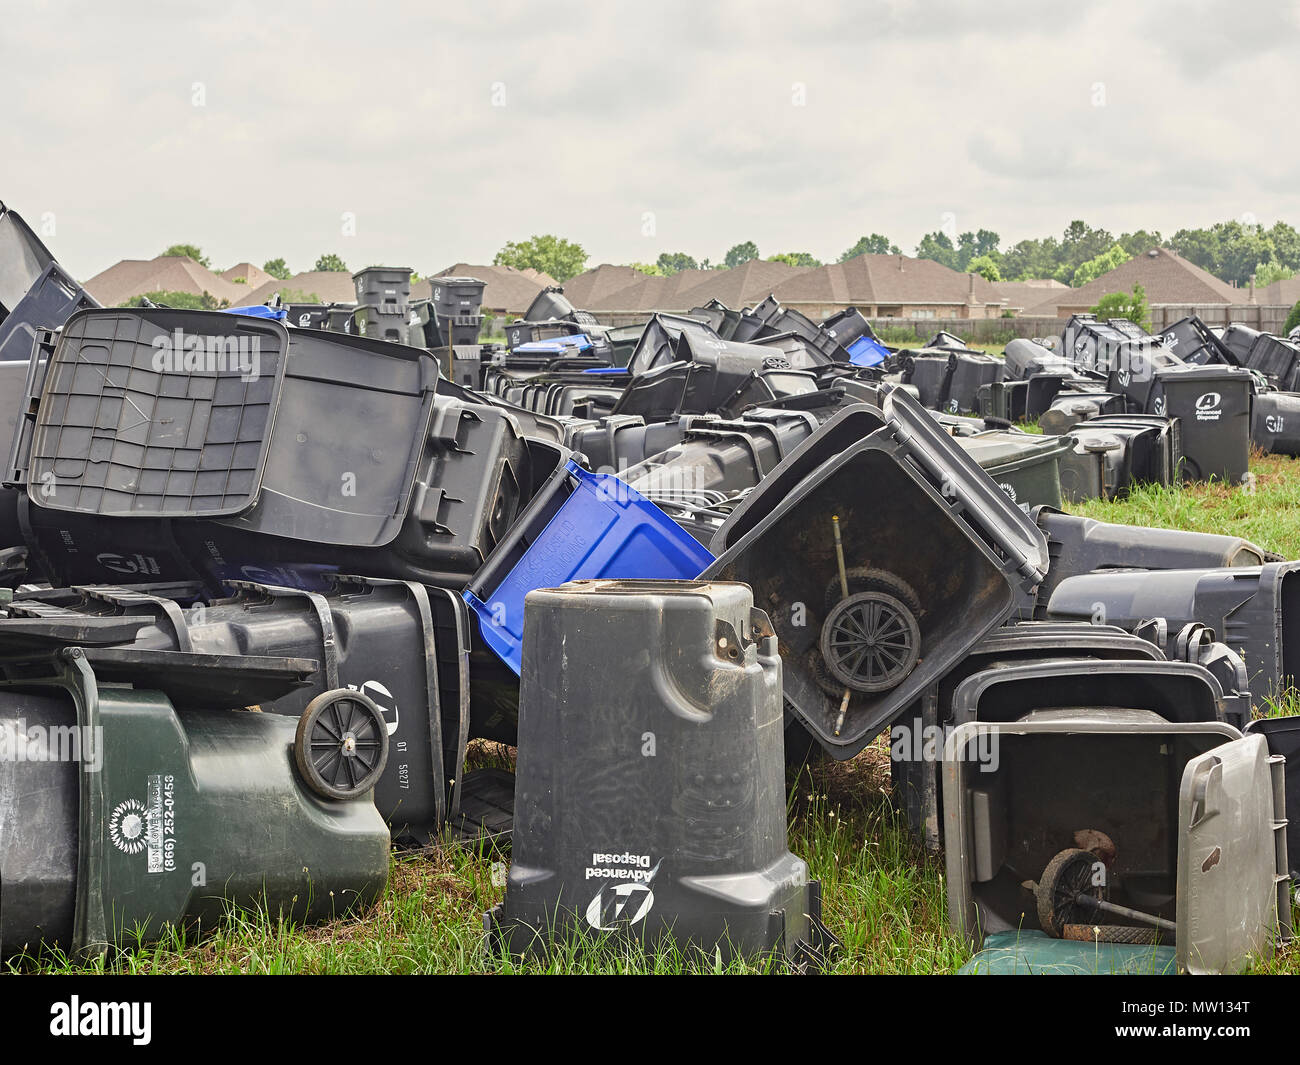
column 342, row 744
column 1066, row 876
column 871, row 641
column 869, row 579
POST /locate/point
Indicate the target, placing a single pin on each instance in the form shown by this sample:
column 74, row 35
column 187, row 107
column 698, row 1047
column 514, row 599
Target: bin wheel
column 342, row 744
column 870, row 579
column 1066, row 876
column 871, row 641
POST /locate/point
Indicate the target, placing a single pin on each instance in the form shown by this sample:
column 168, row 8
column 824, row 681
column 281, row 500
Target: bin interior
column 889, row 520
column 1048, row 786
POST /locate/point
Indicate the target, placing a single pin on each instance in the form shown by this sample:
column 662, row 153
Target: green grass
column 883, row 895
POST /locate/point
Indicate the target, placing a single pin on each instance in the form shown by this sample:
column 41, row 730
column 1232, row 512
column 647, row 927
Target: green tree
column 1079, row 243
column 875, row 244
column 648, row 268
column 1100, row 264
column 939, row 247
column 1286, row 244
column 794, row 258
column 976, row 245
column 670, row 263
column 1267, row 273
column 986, row 266
column 189, row 251
column 294, row 295
column 331, row 263
column 185, row 301
column 1292, row 319
column 740, row 253
column 1141, row 242
column 1232, row 250
column 1130, row 305
column 277, row 268
column 1031, row 259
column 553, row 255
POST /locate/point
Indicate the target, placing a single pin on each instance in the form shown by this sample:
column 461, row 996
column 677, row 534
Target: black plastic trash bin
column 23, row 258
column 1078, row 545
column 659, row 816
column 1195, row 343
column 358, row 476
column 1068, row 409
column 387, row 288
column 971, row 371
column 1212, row 404
column 1275, row 422
column 1283, row 737
column 719, row 455
column 1176, row 819
column 896, row 502
column 1278, row 359
column 378, row 323
column 51, row 301
column 458, row 297
column 1253, row 609
column 916, row 739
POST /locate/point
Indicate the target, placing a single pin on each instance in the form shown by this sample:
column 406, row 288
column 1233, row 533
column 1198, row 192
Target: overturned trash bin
column 1085, row 545
column 581, row 525
column 1157, row 845
column 175, row 812
column 881, row 563
column 1255, row 610
column 658, row 816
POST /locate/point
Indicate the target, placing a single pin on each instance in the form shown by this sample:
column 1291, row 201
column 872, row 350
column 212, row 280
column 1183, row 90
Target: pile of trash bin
column 271, row 572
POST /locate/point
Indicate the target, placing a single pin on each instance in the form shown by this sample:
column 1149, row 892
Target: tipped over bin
column 934, row 557
column 165, row 817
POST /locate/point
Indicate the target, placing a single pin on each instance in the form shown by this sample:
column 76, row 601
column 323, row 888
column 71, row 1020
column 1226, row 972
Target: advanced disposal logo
column 621, row 904
column 1208, row 407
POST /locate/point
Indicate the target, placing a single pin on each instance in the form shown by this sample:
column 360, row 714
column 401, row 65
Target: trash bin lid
column 157, row 412
column 1227, row 859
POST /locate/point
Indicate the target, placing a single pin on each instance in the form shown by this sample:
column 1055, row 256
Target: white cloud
column 684, row 109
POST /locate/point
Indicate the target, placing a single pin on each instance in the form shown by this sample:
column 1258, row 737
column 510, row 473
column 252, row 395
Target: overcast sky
column 446, row 130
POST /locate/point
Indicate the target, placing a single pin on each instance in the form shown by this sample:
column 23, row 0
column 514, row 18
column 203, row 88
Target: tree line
column 1235, row 251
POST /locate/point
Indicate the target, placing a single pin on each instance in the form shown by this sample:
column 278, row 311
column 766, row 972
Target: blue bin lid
column 278, row 314
column 867, row 352
column 604, row 529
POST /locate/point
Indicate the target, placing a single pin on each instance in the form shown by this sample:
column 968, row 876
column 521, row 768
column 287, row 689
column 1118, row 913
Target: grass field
column 883, row 896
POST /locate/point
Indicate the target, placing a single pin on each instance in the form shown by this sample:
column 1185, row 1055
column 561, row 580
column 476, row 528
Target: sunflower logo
column 126, row 826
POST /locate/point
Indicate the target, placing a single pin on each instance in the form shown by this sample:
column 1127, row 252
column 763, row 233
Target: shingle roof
column 649, row 292
column 886, row 279
column 329, row 286
column 253, row 276
column 624, row 288
column 167, row 273
column 1020, row 295
column 1165, row 276
column 597, row 284
column 743, row 285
